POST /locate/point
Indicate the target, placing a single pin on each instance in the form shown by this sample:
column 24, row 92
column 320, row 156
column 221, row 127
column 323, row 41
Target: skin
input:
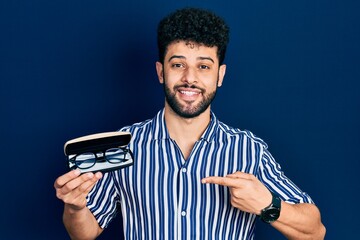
column 191, row 74
column 72, row 188
column 189, row 65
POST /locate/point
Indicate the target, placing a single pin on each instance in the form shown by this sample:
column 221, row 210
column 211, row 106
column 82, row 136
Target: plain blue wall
column 71, row 68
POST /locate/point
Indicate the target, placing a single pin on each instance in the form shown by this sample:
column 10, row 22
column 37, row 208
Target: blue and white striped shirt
column 162, row 197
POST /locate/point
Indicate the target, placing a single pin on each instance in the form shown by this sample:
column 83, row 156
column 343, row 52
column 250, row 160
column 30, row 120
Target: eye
column 204, row 67
column 177, row 65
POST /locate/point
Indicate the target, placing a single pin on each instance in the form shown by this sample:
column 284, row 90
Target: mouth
column 189, row 94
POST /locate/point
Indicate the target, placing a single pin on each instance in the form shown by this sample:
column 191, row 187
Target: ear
column 222, row 70
column 160, row 72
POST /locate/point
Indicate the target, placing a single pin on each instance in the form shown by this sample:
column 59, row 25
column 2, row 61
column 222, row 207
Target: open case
column 100, row 146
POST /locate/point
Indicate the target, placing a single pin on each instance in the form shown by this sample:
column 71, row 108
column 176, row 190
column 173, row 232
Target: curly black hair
column 193, row 24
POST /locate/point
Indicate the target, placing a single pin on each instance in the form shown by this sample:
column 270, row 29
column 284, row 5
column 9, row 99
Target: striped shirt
column 162, row 197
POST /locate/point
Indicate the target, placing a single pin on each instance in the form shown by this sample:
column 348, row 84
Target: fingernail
column 90, row 175
column 77, row 172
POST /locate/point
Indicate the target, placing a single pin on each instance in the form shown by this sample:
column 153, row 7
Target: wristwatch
column 272, row 212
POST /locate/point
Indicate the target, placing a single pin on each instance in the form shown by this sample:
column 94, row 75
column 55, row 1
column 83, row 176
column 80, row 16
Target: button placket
column 184, row 189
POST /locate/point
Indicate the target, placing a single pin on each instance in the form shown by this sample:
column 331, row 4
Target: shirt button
column 183, row 213
column 183, row 170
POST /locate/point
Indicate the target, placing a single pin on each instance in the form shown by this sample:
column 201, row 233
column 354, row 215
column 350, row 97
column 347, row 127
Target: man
column 193, row 177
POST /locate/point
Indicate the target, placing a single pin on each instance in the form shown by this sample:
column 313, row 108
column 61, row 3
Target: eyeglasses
column 112, row 155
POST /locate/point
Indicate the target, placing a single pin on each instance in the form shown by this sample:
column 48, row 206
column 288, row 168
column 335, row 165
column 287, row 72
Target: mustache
column 188, row 86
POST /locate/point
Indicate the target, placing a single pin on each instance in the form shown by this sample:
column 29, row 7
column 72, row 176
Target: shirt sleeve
column 103, row 199
column 273, row 177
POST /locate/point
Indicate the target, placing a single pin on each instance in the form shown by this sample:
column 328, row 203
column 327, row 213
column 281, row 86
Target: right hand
column 73, row 187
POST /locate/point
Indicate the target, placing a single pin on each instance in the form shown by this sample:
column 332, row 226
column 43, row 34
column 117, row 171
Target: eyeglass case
column 99, row 142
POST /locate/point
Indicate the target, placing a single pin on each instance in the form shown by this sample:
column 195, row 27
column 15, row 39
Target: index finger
column 224, row 181
column 62, row 180
column 239, row 174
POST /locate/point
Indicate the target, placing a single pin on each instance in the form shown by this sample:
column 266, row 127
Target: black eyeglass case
column 96, row 143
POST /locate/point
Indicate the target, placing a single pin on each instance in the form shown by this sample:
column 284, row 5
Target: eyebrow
column 206, row 58
column 198, row 58
column 176, row 56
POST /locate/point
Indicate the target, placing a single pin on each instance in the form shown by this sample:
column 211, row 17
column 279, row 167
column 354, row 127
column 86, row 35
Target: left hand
column 247, row 192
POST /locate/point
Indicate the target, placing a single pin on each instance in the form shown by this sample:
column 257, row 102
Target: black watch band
column 272, row 212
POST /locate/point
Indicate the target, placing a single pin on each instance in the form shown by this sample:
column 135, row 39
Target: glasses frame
column 99, row 159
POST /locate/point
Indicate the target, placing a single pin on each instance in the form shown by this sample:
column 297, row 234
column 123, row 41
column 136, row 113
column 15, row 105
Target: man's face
column 191, row 75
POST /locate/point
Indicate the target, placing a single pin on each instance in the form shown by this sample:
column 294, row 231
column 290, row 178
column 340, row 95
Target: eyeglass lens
column 115, row 155
column 85, row 160
column 112, row 155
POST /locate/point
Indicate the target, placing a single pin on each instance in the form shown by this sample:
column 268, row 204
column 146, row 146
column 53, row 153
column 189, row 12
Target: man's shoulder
column 148, row 127
column 137, row 125
column 233, row 132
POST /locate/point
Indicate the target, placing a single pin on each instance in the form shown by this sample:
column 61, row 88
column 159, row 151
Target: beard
column 187, row 110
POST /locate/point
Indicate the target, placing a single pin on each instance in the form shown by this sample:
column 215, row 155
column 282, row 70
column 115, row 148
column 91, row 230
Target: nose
column 189, row 76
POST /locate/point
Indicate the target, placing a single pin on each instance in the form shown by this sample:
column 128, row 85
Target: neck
column 186, row 131
column 180, row 127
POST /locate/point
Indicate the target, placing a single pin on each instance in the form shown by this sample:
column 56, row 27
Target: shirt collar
column 160, row 131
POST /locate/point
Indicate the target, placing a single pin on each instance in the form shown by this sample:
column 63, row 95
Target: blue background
column 70, row 68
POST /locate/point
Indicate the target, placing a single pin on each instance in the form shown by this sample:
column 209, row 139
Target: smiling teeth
column 189, row 93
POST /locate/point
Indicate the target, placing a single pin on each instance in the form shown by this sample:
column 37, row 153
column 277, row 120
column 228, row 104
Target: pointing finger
column 239, row 174
column 224, row 181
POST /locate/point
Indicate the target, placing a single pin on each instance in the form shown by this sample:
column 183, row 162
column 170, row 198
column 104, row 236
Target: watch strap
column 272, row 212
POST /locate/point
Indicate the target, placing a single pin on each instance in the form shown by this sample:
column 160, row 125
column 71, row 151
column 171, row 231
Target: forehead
column 190, row 50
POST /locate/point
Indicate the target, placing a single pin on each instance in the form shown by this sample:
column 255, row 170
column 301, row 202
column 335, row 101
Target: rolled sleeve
column 273, row 177
column 103, row 200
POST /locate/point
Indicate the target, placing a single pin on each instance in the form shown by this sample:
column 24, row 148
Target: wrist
column 72, row 209
column 272, row 212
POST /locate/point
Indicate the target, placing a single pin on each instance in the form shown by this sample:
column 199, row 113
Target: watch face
column 271, row 214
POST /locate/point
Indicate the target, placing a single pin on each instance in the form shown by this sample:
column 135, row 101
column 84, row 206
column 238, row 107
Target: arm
column 72, row 188
column 297, row 221
column 300, row 221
